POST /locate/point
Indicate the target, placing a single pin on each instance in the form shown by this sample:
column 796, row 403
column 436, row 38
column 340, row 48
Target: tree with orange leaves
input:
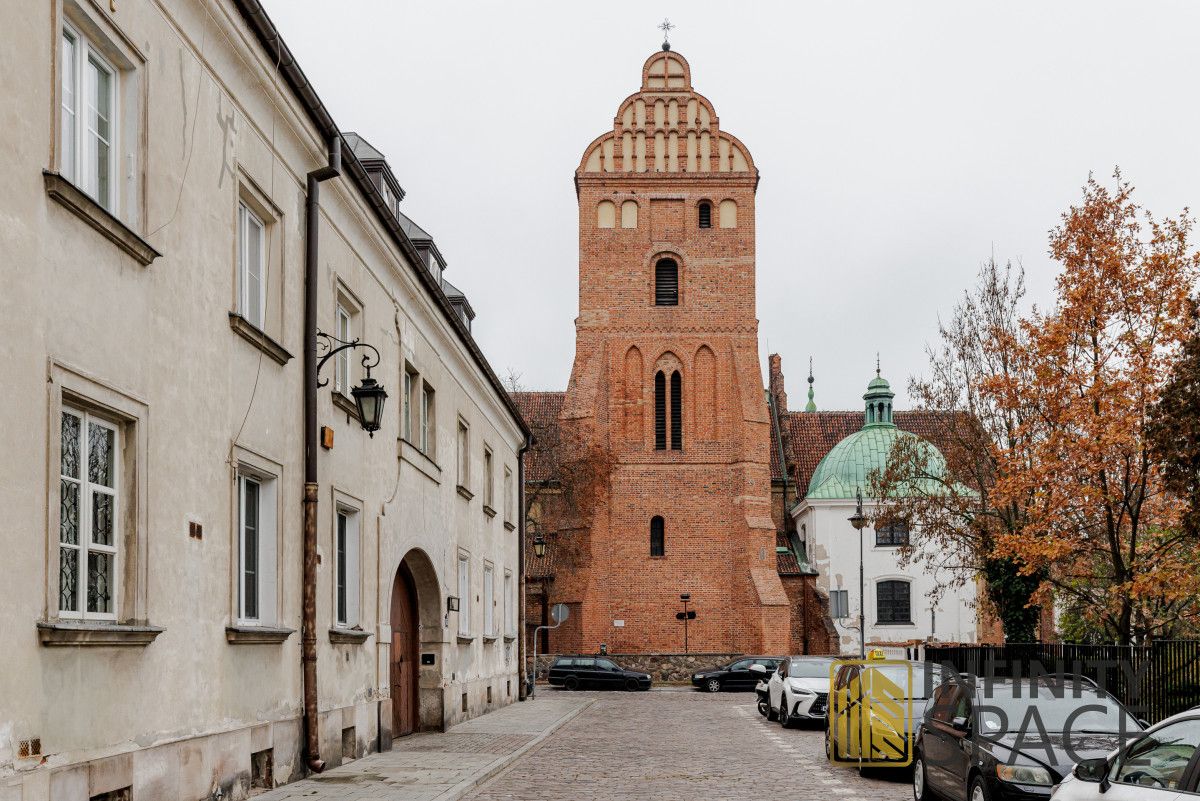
column 1099, row 518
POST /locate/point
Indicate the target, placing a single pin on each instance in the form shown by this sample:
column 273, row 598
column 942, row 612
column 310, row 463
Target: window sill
column 489, row 511
column 896, row 624
column 347, row 405
column 78, row 203
column 257, row 635
column 344, row 636
column 490, row 638
column 258, row 338
column 466, row 493
column 464, row 639
column 510, row 638
column 413, row 455
column 62, row 632
column 508, row 526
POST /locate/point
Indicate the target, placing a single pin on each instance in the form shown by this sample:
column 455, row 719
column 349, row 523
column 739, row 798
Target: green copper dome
column 847, row 467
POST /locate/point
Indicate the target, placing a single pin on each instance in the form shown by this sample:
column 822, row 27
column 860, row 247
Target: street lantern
column 539, row 545
column 369, row 397
column 858, row 519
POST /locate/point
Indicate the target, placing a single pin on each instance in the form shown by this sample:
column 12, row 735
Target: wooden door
column 404, row 668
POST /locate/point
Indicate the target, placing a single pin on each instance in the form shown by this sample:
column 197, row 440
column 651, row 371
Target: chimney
column 775, row 382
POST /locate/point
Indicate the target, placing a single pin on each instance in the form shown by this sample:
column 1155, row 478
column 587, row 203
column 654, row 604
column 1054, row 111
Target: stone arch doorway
column 416, row 632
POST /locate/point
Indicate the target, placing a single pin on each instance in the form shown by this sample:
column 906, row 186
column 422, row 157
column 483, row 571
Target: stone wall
column 668, row 668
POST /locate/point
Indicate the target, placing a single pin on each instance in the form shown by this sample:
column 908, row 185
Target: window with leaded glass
column 893, row 602
column 89, row 507
column 891, row 535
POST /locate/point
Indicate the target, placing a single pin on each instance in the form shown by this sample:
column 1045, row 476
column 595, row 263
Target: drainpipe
column 521, row 689
column 308, row 628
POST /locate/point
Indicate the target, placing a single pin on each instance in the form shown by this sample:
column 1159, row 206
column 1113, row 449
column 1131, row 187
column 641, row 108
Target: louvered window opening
column 676, row 411
column 660, row 411
column 706, row 215
column 658, row 544
column 666, row 283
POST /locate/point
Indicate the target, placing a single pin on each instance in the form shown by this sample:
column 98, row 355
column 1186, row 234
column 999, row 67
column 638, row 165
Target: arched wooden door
column 404, row 667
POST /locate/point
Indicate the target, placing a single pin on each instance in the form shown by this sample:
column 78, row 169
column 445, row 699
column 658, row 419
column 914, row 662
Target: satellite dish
column 559, row 613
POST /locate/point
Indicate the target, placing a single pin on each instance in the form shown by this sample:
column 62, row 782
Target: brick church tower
column 666, row 380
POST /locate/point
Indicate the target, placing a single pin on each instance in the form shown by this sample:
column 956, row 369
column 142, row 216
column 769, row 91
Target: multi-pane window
column 464, row 453
column 464, row 595
column 406, row 410
column 489, row 604
column 510, row 621
column 893, row 602
column 839, row 604
column 256, row 548
column 489, row 489
column 427, row 410
column 658, row 536
column 346, row 567
column 705, row 213
column 666, row 283
column 894, row 534
column 252, row 296
column 89, row 535
column 342, row 382
column 88, row 125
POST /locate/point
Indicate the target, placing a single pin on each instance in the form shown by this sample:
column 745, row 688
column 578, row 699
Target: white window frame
column 510, row 621
column 427, row 411
column 83, row 545
column 346, row 565
column 246, row 218
column 266, row 531
column 464, row 595
column 489, row 600
column 344, row 324
column 464, row 454
column 75, row 138
column 489, row 478
column 406, row 411
column 508, row 494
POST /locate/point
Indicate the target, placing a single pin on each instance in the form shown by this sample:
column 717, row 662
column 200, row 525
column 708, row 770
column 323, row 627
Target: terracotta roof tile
column 540, row 410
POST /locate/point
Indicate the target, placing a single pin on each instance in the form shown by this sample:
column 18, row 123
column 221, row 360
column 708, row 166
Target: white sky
column 899, row 144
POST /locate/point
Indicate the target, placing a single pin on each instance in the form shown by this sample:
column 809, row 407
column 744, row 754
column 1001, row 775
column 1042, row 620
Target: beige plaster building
column 152, row 332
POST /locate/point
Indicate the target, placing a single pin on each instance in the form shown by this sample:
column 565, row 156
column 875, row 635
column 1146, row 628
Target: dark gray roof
column 452, row 292
column 414, row 232
column 362, row 148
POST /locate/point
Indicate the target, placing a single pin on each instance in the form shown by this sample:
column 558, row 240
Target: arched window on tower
column 676, row 411
column 660, row 411
column 705, row 212
column 658, row 536
column 666, row 283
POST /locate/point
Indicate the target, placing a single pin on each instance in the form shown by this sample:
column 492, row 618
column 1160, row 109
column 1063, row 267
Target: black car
column 595, row 672
column 1013, row 739
column 734, row 676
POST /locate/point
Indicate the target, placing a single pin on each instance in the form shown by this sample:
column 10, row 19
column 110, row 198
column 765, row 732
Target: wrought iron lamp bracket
column 328, row 349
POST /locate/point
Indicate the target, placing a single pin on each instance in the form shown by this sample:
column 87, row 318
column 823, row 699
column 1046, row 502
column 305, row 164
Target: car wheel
column 764, row 707
column 571, row 683
column 979, row 791
column 631, row 684
column 785, row 720
column 713, row 685
column 921, row 791
column 771, row 713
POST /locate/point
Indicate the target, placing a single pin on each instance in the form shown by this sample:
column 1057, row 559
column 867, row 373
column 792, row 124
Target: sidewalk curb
column 498, row 765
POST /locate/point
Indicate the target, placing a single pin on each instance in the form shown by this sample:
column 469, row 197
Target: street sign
column 559, row 613
column 689, row 615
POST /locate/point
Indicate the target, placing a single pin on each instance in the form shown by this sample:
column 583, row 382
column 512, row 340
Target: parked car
column 1013, row 739
column 1160, row 765
column 734, row 676
column 595, row 672
column 883, row 740
column 798, row 689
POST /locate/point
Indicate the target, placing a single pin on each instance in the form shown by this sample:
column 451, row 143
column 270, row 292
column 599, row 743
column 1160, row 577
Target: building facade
column 153, row 330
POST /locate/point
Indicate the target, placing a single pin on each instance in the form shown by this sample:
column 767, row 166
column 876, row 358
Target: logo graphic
column 871, row 712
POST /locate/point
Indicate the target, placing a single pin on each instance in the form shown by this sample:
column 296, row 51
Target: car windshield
column 924, row 681
column 1051, row 708
column 809, row 668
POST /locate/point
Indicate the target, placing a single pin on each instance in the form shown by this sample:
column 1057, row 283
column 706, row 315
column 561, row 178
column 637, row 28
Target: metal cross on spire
column 665, row 26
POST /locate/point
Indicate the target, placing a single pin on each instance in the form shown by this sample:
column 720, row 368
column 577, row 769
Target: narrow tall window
column 342, row 534
column 489, row 480
column 256, row 548
column 427, row 410
column 489, row 603
column 89, row 533
column 250, row 529
column 342, row 374
column 464, row 454
column 510, row 623
column 676, row 411
column 666, row 283
column 508, row 495
column 658, row 536
column 893, row 602
column 251, row 294
column 464, row 595
column 88, row 126
column 660, row 411
column 406, row 411
column 705, row 213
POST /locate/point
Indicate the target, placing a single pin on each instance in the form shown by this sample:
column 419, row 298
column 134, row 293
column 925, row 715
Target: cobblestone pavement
column 439, row 767
column 681, row 746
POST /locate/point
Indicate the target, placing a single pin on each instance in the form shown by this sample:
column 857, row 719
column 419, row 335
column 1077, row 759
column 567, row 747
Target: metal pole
column 533, row 678
column 862, row 602
column 685, row 627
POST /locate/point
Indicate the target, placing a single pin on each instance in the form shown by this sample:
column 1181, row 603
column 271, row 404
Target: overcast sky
column 899, row 144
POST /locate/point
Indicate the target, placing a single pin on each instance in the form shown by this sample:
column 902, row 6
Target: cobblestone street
column 680, row 746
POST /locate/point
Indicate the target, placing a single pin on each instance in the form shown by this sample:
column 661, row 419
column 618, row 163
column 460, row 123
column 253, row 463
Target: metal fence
column 1154, row 681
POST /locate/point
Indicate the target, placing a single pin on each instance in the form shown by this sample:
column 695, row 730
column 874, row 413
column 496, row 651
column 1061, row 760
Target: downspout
column 308, row 628
column 522, row 690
